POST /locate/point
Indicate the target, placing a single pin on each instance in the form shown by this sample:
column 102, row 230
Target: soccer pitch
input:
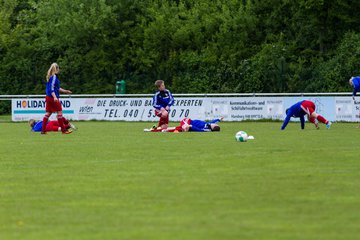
column 110, row 180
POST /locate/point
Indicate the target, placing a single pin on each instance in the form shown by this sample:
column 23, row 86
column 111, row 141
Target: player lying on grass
column 51, row 126
column 191, row 125
column 302, row 108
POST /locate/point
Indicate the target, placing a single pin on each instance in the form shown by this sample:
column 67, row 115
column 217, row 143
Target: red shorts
column 308, row 107
column 54, row 126
column 163, row 120
column 158, row 113
column 52, row 106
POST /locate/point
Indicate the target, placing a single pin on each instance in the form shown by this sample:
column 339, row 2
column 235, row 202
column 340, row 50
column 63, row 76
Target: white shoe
column 147, row 130
column 72, row 126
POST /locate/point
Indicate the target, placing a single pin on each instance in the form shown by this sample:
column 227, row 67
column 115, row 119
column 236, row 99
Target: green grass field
column 110, row 180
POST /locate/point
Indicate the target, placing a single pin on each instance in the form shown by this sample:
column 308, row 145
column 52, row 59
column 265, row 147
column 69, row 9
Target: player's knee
column 164, row 114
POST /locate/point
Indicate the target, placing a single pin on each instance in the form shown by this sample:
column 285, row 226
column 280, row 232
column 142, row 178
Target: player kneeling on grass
column 51, row 126
column 162, row 101
column 302, row 108
column 193, row 125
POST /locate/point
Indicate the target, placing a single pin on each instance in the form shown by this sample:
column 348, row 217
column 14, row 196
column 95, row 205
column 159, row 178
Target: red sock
column 61, row 122
column 66, row 122
column 322, row 119
column 163, row 120
column 44, row 123
column 158, row 129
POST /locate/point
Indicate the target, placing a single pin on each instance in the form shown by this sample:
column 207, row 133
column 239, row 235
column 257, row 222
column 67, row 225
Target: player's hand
column 167, row 108
column 68, row 91
column 56, row 99
column 222, row 118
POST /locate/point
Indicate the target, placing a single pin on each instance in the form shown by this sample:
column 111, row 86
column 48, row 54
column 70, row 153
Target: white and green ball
column 241, row 136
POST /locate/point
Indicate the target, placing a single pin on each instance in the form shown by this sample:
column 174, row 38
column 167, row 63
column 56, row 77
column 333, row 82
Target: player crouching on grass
column 192, row 125
column 51, row 126
column 302, row 108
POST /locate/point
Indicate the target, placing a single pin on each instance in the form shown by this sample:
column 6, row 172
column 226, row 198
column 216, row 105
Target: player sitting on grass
column 302, row 108
column 51, row 126
column 191, row 125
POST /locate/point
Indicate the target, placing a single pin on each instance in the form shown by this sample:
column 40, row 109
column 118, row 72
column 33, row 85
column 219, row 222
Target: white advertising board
column 346, row 109
column 112, row 109
column 231, row 108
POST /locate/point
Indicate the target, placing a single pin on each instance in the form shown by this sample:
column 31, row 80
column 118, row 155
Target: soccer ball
column 241, row 136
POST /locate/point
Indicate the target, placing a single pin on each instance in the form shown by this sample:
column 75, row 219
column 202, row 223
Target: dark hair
column 287, row 110
column 215, row 129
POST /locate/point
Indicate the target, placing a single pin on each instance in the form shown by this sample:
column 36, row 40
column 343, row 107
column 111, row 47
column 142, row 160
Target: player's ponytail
column 54, row 68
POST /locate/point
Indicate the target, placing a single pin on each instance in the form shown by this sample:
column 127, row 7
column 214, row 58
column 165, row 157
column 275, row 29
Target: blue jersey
column 162, row 99
column 296, row 112
column 37, row 126
column 356, row 83
column 53, row 85
column 201, row 126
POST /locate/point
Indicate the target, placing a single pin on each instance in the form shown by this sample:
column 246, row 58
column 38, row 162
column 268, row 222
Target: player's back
column 198, row 123
column 37, row 127
column 53, row 85
column 356, row 82
column 296, row 111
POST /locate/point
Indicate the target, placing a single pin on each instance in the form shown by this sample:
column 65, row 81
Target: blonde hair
column 158, row 83
column 350, row 81
column 54, row 68
column 32, row 122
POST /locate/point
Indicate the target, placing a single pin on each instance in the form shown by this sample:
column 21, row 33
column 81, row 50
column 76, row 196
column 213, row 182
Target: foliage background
column 194, row 45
